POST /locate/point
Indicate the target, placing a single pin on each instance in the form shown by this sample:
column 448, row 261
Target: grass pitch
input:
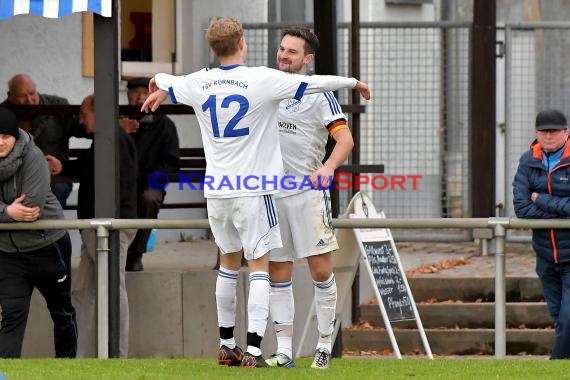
column 346, row 368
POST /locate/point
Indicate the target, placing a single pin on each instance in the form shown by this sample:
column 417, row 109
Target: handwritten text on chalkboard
column 389, row 280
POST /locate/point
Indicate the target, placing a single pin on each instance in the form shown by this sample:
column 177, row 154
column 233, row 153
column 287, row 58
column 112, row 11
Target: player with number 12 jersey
column 236, row 107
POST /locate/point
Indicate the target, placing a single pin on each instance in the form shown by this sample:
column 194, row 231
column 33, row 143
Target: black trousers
column 49, row 270
column 148, row 206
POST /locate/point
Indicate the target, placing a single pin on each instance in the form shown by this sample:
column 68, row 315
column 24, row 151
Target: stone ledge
column 532, row 315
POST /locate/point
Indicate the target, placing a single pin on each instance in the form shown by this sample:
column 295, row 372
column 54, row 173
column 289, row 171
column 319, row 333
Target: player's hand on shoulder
column 363, row 89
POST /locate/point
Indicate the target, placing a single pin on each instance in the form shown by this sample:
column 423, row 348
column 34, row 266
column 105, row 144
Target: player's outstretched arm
column 154, row 100
column 363, row 89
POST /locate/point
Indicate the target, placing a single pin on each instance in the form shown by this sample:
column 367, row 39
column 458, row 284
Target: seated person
column 85, row 284
column 156, row 139
column 51, row 132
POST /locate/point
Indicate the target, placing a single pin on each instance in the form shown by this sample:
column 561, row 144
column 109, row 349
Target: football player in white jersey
column 304, row 216
column 236, row 107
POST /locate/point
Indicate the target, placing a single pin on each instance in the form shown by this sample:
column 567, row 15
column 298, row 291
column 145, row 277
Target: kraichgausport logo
column 342, row 181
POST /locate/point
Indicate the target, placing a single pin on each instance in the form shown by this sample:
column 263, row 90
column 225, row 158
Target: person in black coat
column 157, row 142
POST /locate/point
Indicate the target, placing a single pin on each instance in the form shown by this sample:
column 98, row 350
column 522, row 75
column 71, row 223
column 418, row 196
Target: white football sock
column 282, row 306
column 258, row 302
column 226, row 301
column 325, row 297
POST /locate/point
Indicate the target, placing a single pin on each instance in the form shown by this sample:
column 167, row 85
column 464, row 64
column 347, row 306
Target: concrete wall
column 173, row 315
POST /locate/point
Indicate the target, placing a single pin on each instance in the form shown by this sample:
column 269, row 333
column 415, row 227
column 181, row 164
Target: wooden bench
column 192, row 160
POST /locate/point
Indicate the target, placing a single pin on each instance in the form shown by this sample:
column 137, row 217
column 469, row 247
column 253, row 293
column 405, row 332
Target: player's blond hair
column 223, row 35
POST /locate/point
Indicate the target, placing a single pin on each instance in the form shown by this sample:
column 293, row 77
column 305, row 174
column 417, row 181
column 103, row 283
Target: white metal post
column 500, row 288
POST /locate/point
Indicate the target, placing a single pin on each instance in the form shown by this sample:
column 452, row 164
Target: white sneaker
column 322, row 359
column 280, row 360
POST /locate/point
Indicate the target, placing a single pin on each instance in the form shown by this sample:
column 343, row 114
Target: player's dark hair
column 311, row 39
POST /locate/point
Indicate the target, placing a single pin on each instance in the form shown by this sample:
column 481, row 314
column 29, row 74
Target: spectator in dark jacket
column 85, row 282
column 35, row 258
column 51, row 132
column 541, row 190
column 159, row 151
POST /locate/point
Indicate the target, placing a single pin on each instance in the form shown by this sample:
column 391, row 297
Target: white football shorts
column 250, row 223
column 306, row 226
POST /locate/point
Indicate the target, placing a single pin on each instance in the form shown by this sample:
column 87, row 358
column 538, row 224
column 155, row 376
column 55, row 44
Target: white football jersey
column 236, row 107
column 304, row 126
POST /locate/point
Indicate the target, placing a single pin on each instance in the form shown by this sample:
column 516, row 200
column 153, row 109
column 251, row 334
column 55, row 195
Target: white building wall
column 193, row 18
column 49, row 50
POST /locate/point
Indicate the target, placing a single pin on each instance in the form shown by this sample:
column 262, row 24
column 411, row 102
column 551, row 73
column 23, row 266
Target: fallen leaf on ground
column 384, row 352
column 363, row 326
column 437, row 267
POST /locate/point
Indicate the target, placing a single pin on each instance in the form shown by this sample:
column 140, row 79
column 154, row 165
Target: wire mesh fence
column 537, row 77
column 418, row 121
column 416, row 125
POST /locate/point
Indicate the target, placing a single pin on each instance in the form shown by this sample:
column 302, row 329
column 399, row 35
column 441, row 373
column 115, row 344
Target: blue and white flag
column 54, row 8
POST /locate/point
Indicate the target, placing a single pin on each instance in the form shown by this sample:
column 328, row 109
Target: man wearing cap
column 158, row 148
column 541, row 190
column 31, row 258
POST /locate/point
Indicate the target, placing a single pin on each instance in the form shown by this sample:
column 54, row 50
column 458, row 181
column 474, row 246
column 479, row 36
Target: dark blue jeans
column 555, row 281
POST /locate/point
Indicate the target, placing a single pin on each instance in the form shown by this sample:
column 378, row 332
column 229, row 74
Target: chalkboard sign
column 389, row 280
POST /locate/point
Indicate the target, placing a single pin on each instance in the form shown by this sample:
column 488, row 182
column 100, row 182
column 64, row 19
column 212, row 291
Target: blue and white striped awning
column 53, row 8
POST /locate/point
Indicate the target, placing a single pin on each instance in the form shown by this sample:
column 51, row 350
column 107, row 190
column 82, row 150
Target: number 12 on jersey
column 230, row 130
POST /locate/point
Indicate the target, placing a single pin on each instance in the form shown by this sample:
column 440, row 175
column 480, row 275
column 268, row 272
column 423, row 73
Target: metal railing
column 499, row 226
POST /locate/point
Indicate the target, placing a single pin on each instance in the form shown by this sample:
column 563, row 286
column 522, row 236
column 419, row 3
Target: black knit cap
column 138, row 82
column 8, row 123
column 550, row 120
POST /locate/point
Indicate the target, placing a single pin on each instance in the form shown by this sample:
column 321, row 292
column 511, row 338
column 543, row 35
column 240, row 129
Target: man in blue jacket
column 541, row 190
